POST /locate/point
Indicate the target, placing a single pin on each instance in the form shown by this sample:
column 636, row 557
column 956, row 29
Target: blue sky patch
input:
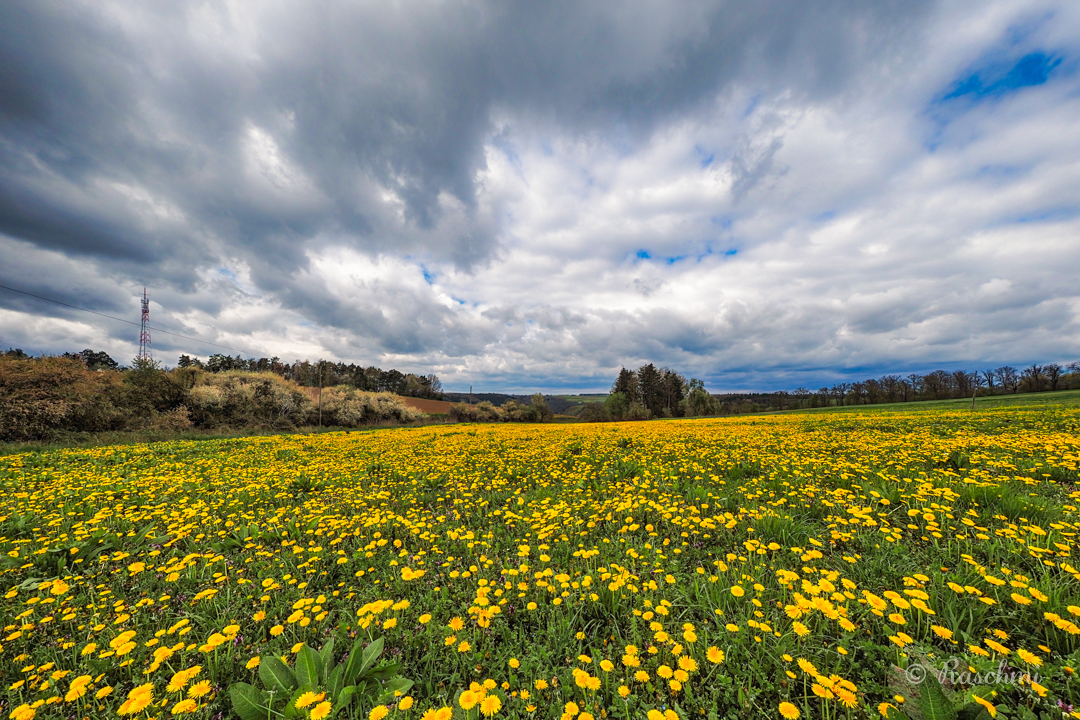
column 1032, row 69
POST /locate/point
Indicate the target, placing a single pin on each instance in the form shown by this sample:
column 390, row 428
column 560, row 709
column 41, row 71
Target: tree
column 1008, row 377
column 938, row 384
column 698, row 401
column 94, row 360
column 650, row 390
column 1032, row 377
column 839, row 391
column 673, row 389
column 616, row 405
column 989, row 376
column 1053, row 374
column 916, row 382
column 626, row 384
column 541, row 407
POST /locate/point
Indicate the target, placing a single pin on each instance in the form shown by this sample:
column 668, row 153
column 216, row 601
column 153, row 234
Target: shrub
column 536, row 411
column 38, row 395
column 348, row 407
column 242, row 399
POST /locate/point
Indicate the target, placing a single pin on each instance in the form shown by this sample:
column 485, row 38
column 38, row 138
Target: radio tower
column 144, row 334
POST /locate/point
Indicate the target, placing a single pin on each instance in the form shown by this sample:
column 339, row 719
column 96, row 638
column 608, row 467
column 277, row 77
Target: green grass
column 1061, row 397
column 65, row 441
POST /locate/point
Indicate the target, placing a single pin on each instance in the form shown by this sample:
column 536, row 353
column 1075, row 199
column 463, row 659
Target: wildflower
column 467, row 700
column 23, row 712
column 623, row 691
column 138, row 699
column 788, row 711
column 515, row 663
column 307, row 699
column 941, row 632
column 424, row 619
column 490, row 705
column 322, row 710
column 203, row 687
column 253, row 663
column 184, row 706
column 1029, row 657
column 986, row 704
column 715, row 655
column 405, row 703
column 379, row 711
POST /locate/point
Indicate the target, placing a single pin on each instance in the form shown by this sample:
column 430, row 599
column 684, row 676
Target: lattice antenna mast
column 144, row 334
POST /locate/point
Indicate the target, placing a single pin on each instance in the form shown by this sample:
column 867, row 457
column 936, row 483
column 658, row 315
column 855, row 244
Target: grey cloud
column 158, row 143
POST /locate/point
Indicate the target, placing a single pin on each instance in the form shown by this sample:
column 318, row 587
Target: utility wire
column 129, row 322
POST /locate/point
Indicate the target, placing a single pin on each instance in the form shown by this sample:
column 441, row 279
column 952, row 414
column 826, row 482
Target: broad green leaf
column 352, row 665
column 371, row 654
column 334, row 683
column 384, row 670
column 276, row 675
column 932, row 701
column 326, row 655
column 392, row 686
column 249, row 702
column 345, row 696
column 307, row 667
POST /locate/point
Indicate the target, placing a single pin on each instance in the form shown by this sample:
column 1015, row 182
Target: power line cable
column 129, row 322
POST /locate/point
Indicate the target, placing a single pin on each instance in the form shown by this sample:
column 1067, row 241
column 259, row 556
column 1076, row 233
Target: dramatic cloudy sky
column 522, row 195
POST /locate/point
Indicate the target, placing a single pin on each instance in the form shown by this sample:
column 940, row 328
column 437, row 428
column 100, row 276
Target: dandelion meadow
column 784, row 566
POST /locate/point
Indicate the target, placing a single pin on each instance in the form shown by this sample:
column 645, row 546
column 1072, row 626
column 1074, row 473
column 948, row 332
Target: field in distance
column 793, row 565
column 1069, row 398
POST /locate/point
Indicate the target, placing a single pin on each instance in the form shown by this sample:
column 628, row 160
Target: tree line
column 324, row 373
column 651, row 392
column 942, row 385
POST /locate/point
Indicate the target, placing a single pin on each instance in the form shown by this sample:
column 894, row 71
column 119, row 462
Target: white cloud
column 773, row 221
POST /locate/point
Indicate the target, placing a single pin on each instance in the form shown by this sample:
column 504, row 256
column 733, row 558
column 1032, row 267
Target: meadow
column 795, row 565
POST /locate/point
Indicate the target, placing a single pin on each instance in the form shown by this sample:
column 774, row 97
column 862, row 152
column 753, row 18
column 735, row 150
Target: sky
column 528, row 196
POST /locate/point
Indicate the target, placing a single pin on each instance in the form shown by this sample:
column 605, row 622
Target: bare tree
column 839, row 391
column 907, row 391
column 916, row 382
column 1032, row 377
column 989, row 376
column 1053, row 374
column 1010, row 379
column 890, row 385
